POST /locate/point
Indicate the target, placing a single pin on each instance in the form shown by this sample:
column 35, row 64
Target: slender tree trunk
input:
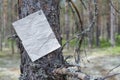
column 67, row 22
column 0, row 39
column 5, row 3
column 1, row 25
column 11, row 29
column 112, row 37
column 98, row 25
column 118, row 25
column 90, row 34
column 118, row 20
column 108, row 19
column 42, row 68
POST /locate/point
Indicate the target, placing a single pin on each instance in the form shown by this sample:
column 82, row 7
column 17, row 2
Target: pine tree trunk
column 112, row 27
column 1, row 25
column 5, row 21
column 108, row 19
column 98, row 25
column 42, row 68
column 67, row 22
column 91, row 33
column 118, row 20
column 119, row 24
column 11, row 19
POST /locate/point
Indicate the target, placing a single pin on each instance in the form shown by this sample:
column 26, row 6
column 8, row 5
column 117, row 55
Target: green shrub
column 104, row 43
column 117, row 38
column 71, row 43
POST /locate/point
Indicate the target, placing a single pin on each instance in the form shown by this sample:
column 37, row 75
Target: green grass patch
column 3, row 54
column 72, row 43
column 8, row 54
column 115, row 50
column 106, row 51
column 104, row 43
column 117, row 40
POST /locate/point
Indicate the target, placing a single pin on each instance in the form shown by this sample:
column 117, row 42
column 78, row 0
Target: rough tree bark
column 42, row 68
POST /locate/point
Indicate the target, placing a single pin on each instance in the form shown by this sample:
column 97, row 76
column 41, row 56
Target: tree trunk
column 42, row 68
column 91, row 33
column 11, row 28
column 98, row 25
column 118, row 24
column 112, row 27
column 108, row 19
column 1, row 25
column 118, row 20
column 5, row 20
column 67, row 22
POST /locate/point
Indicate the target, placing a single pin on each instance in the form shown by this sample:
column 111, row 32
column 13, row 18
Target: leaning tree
column 41, row 69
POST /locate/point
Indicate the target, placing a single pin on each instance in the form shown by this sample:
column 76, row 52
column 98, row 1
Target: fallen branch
column 66, row 71
column 79, row 75
column 114, row 68
column 109, row 76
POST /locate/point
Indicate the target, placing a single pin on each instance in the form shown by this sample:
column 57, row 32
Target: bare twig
column 80, row 38
column 74, row 15
column 114, row 68
column 78, row 13
column 83, row 4
column 85, row 30
column 109, row 76
column 67, row 42
column 111, row 3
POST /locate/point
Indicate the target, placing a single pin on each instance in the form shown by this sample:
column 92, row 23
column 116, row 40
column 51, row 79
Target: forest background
column 103, row 38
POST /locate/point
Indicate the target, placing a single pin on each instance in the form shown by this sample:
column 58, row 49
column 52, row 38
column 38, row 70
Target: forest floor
column 9, row 66
column 101, row 66
column 98, row 65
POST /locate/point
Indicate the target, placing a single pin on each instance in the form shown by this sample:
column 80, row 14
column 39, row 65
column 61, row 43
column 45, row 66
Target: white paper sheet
column 36, row 35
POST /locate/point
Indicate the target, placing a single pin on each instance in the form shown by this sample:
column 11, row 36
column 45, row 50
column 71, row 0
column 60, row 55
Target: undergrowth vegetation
column 104, row 48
